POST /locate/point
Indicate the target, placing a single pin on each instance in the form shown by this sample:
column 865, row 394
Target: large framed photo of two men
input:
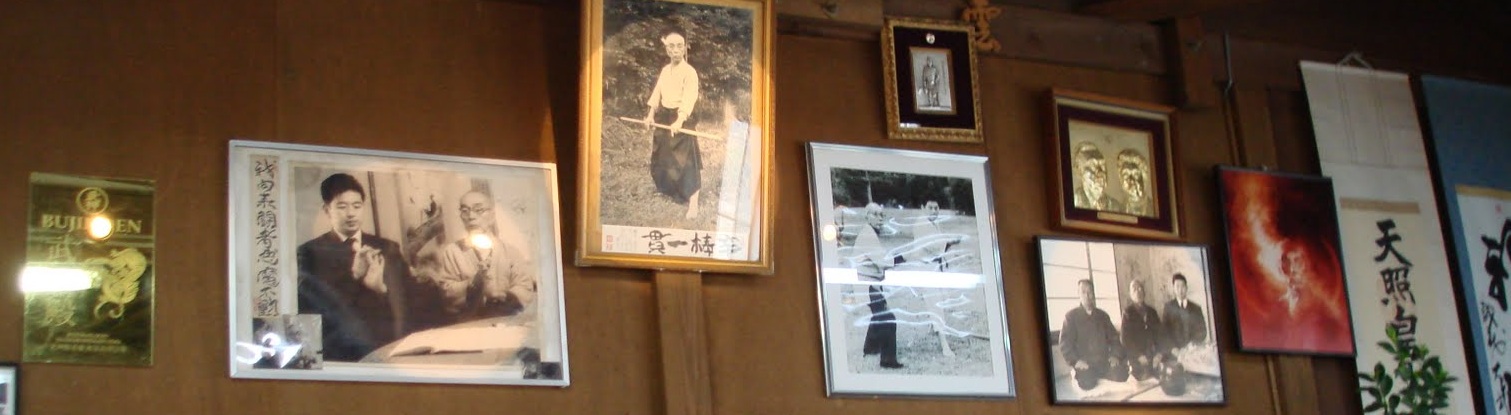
column 910, row 285
column 676, row 135
column 379, row 266
column 1112, row 160
column 1129, row 322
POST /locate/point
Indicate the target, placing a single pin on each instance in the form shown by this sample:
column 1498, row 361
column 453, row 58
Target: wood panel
column 154, row 89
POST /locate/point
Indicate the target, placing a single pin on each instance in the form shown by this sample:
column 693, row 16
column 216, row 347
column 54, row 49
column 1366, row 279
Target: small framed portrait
column 1285, row 254
column 10, row 379
column 1112, row 160
column 378, row 266
column 1129, row 323
column 676, row 137
column 931, row 90
column 909, row 283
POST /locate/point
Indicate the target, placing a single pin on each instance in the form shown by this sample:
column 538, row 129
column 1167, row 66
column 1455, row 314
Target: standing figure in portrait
column 1091, row 192
column 1133, row 168
column 353, row 280
column 928, row 84
column 1141, row 330
column 1184, row 322
column 676, row 164
column 479, row 275
column 871, row 259
column 1089, row 343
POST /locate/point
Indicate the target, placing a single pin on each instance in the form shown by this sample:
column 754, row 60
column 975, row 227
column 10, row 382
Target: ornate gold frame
column 931, row 127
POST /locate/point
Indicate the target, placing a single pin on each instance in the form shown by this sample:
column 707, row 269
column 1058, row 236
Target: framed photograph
column 1112, row 160
column 930, row 81
column 10, row 388
column 1129, row 323
column 1285, row 255
column 676, row 137
column 380, row 266
column 910, row 288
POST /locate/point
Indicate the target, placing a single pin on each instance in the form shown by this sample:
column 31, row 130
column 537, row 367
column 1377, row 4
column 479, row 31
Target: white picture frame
column 10, row 388
column 938, row 285
column 462, row 282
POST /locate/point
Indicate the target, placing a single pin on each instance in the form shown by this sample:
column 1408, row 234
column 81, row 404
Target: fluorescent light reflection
column 38, row 279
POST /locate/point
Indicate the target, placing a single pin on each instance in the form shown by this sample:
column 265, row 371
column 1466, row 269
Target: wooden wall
column 155, row 88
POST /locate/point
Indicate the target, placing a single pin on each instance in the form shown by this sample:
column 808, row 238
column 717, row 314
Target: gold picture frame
column 687, row 85
column 1114, row 141
column 939, row 71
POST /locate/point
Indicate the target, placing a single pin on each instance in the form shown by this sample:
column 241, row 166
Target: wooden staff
column 680, row 130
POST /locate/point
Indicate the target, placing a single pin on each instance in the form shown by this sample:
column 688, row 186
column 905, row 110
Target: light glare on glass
column 481, row 241
column 38, row 279
column 100, row 227
column 829, row 232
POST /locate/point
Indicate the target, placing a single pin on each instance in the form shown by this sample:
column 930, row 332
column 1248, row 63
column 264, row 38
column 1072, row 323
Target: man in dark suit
column 353, row 280
column 1141, row 329
column 1184, row 322
column 1089, row 343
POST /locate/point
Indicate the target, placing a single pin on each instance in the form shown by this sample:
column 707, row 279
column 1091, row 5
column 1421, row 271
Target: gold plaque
column 88, row 276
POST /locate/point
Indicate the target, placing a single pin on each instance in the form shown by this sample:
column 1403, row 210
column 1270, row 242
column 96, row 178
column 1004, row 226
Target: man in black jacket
column 353, row 280
column 1089, row 343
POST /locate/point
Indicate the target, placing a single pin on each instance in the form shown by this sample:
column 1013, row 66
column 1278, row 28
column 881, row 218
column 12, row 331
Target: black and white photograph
column 929, row 77
column 10, row 378
column 381, row 266
column 932, row 86
column 1129, row 323
column 676, row 144
column 908, row 273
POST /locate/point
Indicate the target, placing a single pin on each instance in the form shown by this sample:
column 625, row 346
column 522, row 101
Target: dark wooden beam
column 1190, row 57
column 1153, row 10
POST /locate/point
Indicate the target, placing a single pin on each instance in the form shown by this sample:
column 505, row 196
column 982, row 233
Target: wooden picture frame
column 1138, row 315
column 932, row 92
column 1114, row 141
column 910, row 283
column 1285, row 256
column 702, row 67
column 381, row 266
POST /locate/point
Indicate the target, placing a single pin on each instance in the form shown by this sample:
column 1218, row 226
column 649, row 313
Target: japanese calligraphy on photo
column 910, row 289
column 675, row 137
column 1129, row 323
column 382, row 266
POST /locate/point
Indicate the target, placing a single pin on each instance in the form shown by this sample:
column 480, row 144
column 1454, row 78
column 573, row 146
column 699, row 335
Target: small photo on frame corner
column 1113, row 161
column 930, row 78
column 10, row 388
column 676, row 137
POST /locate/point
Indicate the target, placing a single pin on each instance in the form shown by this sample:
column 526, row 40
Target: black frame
column 1337, row 240
column 1049, row 349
